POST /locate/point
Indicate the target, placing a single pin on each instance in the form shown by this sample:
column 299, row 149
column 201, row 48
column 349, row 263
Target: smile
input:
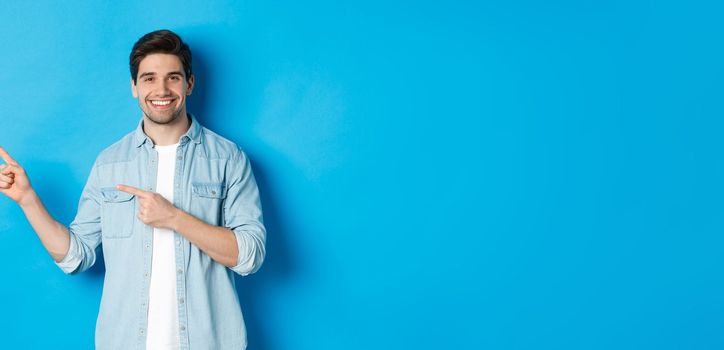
column 161, row 103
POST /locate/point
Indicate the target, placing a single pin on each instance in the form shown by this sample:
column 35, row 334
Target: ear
column 133, row 89
column 191, row 85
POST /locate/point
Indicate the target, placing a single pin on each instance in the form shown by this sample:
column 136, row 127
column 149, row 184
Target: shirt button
column 178, row 242
column 181, row 301
column 145, row 275
column 179, row 271
column 183, row 328
column 179, row 157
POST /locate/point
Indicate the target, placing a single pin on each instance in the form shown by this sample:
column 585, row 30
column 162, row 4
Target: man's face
column 161, row 88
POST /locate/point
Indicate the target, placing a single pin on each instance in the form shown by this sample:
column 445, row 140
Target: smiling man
column 175, row 209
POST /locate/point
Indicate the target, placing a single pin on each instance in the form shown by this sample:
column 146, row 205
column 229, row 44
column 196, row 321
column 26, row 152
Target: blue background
column 490, row 175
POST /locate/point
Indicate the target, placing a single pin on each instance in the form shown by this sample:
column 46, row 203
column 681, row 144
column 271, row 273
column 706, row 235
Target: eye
column 148, row 79
column 175, row 78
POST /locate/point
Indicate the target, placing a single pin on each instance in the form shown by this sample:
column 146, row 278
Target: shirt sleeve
column 243, row 215
column 85, row 230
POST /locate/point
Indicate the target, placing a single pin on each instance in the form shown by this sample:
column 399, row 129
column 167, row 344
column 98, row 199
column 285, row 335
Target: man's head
column 161, row 76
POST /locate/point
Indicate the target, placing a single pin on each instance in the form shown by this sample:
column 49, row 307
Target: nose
column 164, row 86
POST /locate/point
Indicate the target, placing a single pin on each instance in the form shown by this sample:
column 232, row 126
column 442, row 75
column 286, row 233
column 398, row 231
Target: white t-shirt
column 163, row 327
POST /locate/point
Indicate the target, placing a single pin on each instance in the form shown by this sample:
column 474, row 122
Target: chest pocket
column 117, row 213
column 207, row 201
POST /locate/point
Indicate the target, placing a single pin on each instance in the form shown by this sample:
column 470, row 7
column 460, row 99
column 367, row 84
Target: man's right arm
column 67, row 250
column 52, row 234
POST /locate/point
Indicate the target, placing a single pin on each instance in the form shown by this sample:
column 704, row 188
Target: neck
column 166, row 134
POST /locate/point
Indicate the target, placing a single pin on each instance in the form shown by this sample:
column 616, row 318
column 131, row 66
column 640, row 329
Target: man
column 175, row 209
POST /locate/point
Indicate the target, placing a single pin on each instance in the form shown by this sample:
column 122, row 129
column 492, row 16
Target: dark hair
column 160, row 41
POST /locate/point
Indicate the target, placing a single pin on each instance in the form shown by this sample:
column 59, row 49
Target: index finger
column 132, row 190
column 6, row 157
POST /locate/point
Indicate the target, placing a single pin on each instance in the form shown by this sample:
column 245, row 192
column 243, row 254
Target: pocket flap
column 111, row 194
column 210, row 190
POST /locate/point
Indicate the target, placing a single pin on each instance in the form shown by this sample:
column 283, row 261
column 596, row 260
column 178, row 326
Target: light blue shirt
column 213, row 182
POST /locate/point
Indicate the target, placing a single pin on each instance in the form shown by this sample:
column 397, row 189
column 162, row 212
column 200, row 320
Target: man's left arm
column 217, row 242
column 239, row 244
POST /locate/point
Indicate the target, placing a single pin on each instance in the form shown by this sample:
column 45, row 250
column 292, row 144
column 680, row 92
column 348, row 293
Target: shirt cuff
column 251, row 253
column 72, row 259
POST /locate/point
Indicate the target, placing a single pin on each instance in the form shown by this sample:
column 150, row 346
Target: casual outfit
column 159, row 286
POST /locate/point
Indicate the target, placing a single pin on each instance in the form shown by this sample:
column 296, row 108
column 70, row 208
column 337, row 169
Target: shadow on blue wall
column 252, row 290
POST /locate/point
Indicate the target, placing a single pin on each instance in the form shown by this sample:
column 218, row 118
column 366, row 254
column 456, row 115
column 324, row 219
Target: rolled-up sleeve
column 243, row 215
column 85, row 230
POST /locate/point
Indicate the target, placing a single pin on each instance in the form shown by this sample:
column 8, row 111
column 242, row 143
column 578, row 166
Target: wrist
column 176, row 219
column 28, row 199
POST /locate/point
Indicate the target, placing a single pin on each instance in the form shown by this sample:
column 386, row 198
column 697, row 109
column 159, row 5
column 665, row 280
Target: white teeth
column 160, row 103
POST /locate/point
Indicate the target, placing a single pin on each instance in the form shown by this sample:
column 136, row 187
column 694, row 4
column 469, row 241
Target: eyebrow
column 154, row 73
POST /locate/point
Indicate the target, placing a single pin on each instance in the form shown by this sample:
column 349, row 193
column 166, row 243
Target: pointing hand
column 14, row 182
column 155, row 210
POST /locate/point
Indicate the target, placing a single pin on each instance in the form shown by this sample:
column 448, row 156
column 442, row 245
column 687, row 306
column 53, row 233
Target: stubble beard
column 161, row 120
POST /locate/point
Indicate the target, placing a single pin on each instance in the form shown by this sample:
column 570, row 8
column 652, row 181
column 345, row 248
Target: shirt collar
column 192, row 134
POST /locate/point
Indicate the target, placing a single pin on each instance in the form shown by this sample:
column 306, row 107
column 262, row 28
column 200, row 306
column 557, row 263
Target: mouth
column 162, row 103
